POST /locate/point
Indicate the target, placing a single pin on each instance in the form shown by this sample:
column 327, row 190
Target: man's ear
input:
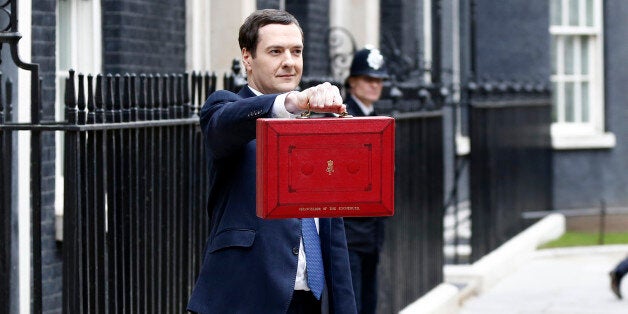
column 246, row 59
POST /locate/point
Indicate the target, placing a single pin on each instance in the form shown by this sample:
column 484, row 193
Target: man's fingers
column 316, row 100
column 337, row 97
column 343, row 109
column 324, row 97
column 321, row 98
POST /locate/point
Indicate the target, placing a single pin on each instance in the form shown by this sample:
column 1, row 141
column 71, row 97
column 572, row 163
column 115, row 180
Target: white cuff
column 279, row 107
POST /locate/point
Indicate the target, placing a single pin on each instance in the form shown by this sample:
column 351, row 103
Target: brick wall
column 399, row 19
column 141, row 36
column 268, row 4
column 313, row 16
column 43, row 53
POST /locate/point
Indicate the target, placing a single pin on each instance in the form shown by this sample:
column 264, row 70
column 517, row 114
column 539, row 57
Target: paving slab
column 557, row 281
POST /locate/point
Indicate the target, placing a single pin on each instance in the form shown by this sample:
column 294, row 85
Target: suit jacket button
column 295, row 250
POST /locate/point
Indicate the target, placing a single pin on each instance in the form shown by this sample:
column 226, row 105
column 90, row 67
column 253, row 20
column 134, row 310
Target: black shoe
column 615, row 283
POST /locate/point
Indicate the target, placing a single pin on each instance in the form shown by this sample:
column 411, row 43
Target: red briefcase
column 325, row 167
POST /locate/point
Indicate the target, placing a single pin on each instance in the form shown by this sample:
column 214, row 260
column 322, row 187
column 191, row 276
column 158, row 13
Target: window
column 78, row 42
column 78, row 48
column 578, row 75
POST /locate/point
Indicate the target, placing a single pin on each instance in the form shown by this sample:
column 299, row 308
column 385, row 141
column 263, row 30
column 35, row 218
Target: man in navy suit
column 365, row 235
column 253, row 265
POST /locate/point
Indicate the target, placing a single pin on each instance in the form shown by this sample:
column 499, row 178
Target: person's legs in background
column 369, row 283
column 355, row 260
column 616, row 276
column 364, row 278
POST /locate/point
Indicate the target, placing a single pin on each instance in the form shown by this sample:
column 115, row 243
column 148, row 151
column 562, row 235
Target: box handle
column 306, row 114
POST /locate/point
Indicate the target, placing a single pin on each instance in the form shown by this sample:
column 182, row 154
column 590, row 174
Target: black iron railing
column 510, row 161
column 9, row 35
column 412, row 259
column 6, row 175
column 134, row 218
column 134, row 206
column 135, row 222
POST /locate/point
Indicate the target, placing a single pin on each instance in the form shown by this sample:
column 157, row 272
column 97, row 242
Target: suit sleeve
column 228, row 121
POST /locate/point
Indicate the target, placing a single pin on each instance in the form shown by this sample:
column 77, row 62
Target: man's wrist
column 291, row 103
column 282, row 108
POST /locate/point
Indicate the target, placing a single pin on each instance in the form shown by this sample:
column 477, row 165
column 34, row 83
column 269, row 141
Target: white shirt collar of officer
column 366, row 110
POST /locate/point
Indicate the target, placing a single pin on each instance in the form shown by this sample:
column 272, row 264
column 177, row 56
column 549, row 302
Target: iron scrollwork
column 341, row 48
column 7, row 19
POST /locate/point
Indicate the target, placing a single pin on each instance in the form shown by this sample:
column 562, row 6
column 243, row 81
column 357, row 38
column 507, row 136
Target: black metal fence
column 135, row 192
column 10, row 36
column 6, row 230
column 135, row 220
column 510, row 165
column 412, row 258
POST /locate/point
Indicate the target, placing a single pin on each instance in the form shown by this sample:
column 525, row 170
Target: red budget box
column 325, row 167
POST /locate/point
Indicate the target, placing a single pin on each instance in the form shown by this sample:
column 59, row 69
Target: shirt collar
column 255, row 91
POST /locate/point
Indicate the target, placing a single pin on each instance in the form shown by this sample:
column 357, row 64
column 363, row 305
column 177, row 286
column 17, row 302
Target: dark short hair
column 248, row 36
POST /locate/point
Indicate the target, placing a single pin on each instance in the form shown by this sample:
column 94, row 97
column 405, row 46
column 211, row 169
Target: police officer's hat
column 370, row 62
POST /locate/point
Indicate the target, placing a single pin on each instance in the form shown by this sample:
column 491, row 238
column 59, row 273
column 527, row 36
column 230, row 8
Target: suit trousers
column 622, row 268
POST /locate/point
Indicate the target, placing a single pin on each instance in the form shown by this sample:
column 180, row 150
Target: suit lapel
column 246, row 92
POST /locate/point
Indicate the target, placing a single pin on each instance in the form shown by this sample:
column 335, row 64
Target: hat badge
column 375, row 59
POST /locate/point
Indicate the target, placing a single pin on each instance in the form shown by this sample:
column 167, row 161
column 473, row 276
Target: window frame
column 83, row 44
column 589, row 134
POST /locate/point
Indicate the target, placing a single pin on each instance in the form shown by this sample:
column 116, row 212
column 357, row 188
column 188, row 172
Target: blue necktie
column 313, row 257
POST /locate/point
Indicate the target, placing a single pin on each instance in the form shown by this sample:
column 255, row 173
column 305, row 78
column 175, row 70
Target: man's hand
column 320, row 98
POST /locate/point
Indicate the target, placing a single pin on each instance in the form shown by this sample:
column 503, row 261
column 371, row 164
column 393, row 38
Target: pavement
column 556, row 281
column 518, row 278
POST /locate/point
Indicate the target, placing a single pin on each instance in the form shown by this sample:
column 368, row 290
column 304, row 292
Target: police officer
column 365, row 235
column 365, row 81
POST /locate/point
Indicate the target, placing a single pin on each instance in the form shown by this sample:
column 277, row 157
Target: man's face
column 367, row 89
column 278, row 62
